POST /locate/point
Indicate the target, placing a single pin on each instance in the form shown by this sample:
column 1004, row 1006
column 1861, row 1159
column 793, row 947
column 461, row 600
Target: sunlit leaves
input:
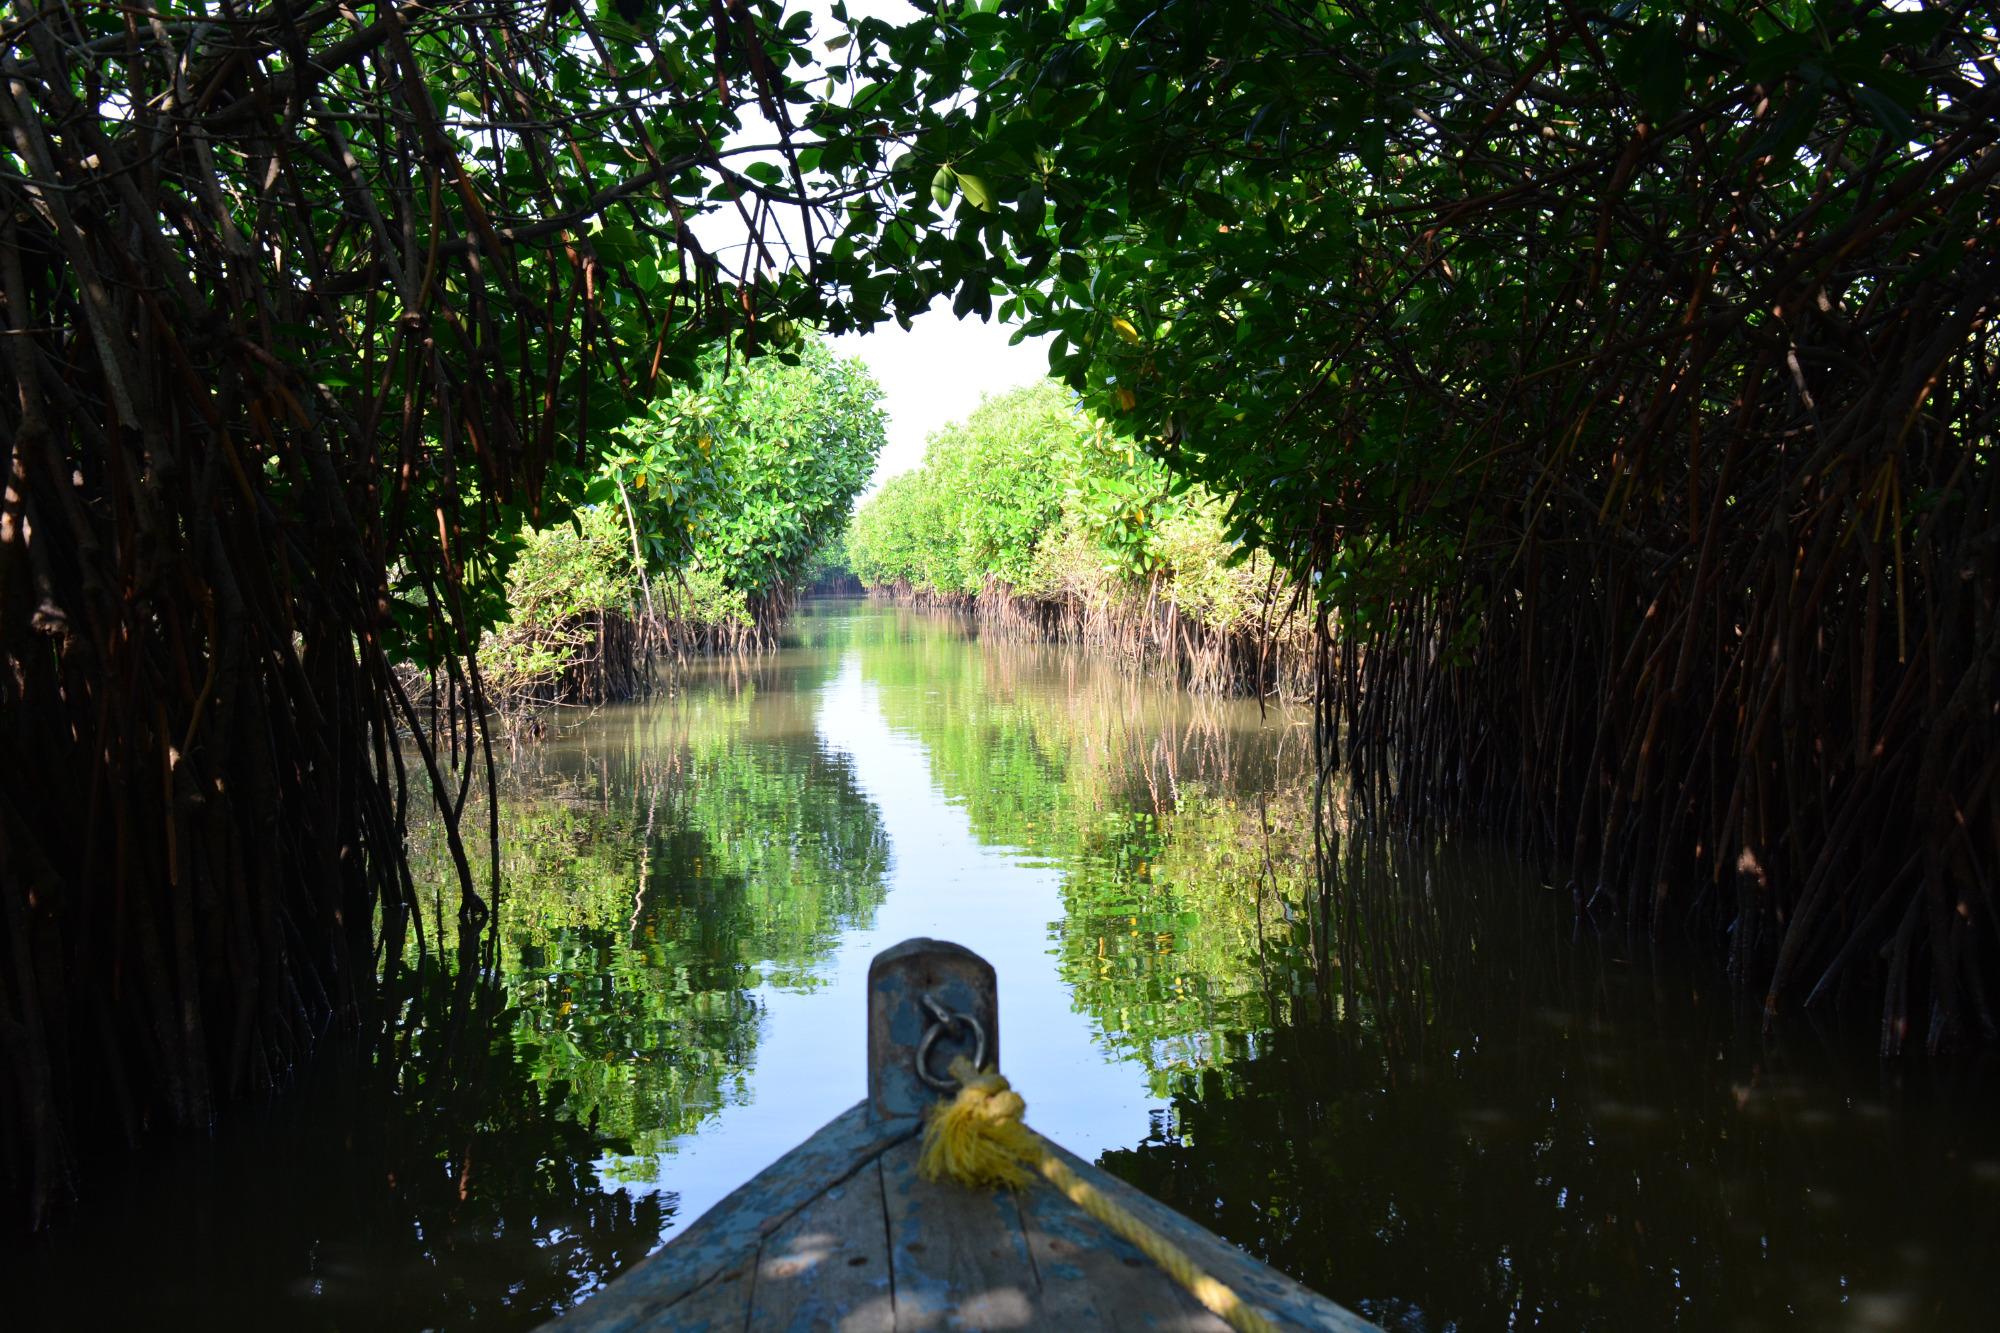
column 1037, row 497
column 748, row 473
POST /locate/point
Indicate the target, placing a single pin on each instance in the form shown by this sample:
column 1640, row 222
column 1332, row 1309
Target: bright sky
column 937, row 373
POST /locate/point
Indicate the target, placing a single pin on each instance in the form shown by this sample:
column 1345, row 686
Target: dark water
column 1423, row 1093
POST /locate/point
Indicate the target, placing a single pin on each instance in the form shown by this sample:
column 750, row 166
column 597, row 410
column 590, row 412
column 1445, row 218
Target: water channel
column 1423, row 1092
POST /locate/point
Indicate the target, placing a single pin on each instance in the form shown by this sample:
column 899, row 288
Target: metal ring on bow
column 944, row 1020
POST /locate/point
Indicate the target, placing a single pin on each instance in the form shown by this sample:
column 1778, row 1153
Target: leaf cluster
column 1034, row 495
column 1621, row 381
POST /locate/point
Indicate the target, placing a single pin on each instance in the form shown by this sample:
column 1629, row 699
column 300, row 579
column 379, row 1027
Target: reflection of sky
column 812, row 1047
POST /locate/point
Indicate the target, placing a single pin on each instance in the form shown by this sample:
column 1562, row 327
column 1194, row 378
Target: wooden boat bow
column 845, row 1232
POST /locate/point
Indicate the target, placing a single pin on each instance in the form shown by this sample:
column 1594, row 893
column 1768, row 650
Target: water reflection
column 1411, row 1084
column 667, row 865
column 1493, row 1122
column 420, row 1177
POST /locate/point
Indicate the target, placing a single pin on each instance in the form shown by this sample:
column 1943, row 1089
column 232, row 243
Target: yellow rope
column 977, row 1139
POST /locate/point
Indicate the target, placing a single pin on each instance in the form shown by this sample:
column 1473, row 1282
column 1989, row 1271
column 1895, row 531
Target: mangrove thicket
column 1038, row 516
column 308, row 313
column 705, row 524
column 1623, row 381
column 1619, row 385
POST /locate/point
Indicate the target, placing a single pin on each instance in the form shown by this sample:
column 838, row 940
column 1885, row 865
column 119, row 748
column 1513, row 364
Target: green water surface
column 1420, row 1088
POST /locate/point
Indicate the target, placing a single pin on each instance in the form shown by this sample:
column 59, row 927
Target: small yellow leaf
column 1125, row 329
column 1126, row 399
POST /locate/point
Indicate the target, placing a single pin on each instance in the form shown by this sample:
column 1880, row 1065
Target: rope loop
column 977, row 1138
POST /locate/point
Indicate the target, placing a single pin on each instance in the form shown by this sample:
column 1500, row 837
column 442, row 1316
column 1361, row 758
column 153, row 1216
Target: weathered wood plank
column 1285, row 1301
column 728, row 1235
column 827, row 1270
column 958, row 1256
column 719, row 1305
column 898, row 981
column 1092, row 1279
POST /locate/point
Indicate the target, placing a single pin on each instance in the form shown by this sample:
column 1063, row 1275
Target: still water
column 1417, row 1088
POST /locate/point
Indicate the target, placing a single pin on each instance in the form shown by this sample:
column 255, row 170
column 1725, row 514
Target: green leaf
column 1891, row 116
column 976, row 192
column 1655, row 63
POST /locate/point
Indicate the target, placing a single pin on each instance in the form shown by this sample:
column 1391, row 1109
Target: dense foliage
column 309, row 311
column 1037, row 510
column 701, row 528
column 1624, row 380
column 749, row 474
column 983, row 503
column 575, row 602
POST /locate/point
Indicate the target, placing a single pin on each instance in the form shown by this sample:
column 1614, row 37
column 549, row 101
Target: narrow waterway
column 1419, row 1087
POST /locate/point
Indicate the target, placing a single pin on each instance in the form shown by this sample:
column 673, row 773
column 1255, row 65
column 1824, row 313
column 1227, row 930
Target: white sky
column 937, row 373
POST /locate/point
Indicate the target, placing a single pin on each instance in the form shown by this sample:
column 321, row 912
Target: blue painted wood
column 961, row 1260
column 719, row 1305
column 827, row 1269
column 842, row 1232
column 1091, row 1279
column 727, row 1237
column 898, row 980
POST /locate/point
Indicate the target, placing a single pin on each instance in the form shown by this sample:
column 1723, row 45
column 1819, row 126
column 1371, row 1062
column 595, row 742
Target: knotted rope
column 976, row 1138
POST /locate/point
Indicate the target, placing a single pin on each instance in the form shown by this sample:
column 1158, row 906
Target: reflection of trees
column 673, row 868
column 1169, row 882
column 1407, row 1083
column 1486, row 1121
column 661, row 865
column 1176, row 924
column 420, row 1180
column 1037, row 741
